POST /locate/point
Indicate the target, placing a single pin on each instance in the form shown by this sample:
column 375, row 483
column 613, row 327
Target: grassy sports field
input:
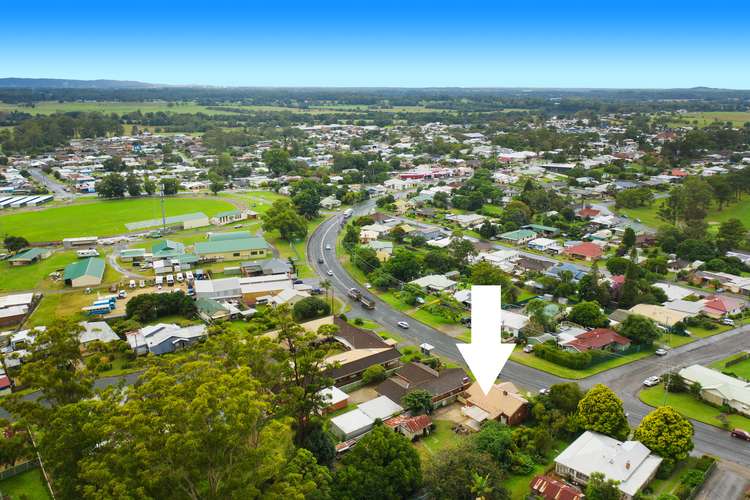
column 100, row 217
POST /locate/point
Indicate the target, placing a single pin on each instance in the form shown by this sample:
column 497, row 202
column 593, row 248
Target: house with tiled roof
column 599, row 338
column 444, row 385
column 586, row 251
column 552, row 489
column 720, row 306
column 363, row 350
column 410, row 427
column 503, row 402
column 587, row 213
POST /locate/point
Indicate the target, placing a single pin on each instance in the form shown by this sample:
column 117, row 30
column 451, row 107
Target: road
column 626, row 380
column 57, row 188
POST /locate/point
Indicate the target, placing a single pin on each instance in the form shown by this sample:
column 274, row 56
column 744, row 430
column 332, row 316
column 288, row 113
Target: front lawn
column 529, row 359
column 741, row 369
column 28, row 485
column 691, row 407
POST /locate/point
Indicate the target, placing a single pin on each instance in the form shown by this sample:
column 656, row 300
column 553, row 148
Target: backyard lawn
column 101, row 217
column 28, row 485
column 439, row 439
column 691, row 407
column 529, row 359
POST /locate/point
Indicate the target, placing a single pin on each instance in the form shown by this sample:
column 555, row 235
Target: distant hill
column 58, row 83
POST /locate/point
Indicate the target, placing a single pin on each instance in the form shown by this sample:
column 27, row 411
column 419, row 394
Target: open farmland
column 738, row 118
column 51, row 107
column 85, row 219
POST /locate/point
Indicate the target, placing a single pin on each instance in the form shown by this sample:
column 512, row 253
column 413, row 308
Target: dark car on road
column 741, row 434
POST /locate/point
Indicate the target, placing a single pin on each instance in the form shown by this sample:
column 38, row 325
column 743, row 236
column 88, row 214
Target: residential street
column 626, row 380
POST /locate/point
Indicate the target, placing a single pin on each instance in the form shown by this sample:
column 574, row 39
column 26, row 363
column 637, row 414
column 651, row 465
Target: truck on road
column 367, row 302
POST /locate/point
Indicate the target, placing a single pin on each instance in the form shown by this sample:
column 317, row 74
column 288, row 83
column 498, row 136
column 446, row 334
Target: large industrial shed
column 253, row 247
column 85, row 272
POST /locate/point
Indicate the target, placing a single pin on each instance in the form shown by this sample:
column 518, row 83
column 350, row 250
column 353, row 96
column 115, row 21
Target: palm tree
column 326, row 285
column 480, row 485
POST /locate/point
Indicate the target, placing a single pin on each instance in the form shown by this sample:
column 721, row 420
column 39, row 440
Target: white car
column 544, row 391
column 328, row 247
column 661, row 352
column 330, row 273
column 368, row 286
column 651, row 381
column 403, row 324
column 727, row 321
column 528, row 348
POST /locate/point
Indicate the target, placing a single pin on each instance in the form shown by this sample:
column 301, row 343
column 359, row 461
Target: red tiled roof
column 618, row 279
column 678, row 172
column 588, row 212
column 4, row 382
column 412, row 424
column 552, row 489
column 585, row 249
column 598, row 338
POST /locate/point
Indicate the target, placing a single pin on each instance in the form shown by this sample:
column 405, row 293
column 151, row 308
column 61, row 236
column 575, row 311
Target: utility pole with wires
column 163, row 213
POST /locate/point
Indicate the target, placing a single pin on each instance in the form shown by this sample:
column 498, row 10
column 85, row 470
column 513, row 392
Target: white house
column 629, row 462
column 719, row 389
column 543, row 244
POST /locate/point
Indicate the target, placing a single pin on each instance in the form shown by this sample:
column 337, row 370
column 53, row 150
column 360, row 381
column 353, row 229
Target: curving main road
column 626, row 380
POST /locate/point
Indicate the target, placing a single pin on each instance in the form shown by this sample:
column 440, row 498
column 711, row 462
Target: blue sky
column 653, row 44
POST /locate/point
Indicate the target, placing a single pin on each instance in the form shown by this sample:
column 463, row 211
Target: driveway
column 728, row 482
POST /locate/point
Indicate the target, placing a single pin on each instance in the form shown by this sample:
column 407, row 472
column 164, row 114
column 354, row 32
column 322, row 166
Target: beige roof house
column 659, row 314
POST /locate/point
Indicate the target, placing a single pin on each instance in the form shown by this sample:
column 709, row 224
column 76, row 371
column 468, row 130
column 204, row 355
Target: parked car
column 368, row 286
column 528, row 348
column 403, row 324
column 328, row 247
column 237, row 226
column 741, row 434
column 132, row 284
column 298, row 282
column 122, row 294
column 661, row 352
column 330, row 273
column 651, row 381
column 727, row 321
column 544, row 391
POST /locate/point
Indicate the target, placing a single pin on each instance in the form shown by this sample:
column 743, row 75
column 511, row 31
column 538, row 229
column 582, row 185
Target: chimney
column 505, row 393
column 627, row 465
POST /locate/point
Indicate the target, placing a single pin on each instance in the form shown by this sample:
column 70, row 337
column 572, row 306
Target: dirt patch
column 362, row 394
column 450, row 412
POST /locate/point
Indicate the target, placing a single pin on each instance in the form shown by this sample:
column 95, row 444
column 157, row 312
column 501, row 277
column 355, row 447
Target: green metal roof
column 234, row 235
column 232, row 245
column 518, row 234
column 87, row 267
column 30, row 254
column 539, row 227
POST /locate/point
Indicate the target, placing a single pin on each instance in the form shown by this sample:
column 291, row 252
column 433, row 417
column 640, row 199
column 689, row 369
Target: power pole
column 163, row 213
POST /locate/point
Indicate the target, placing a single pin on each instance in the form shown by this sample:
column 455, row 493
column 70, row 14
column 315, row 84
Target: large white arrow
column 486, row 355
